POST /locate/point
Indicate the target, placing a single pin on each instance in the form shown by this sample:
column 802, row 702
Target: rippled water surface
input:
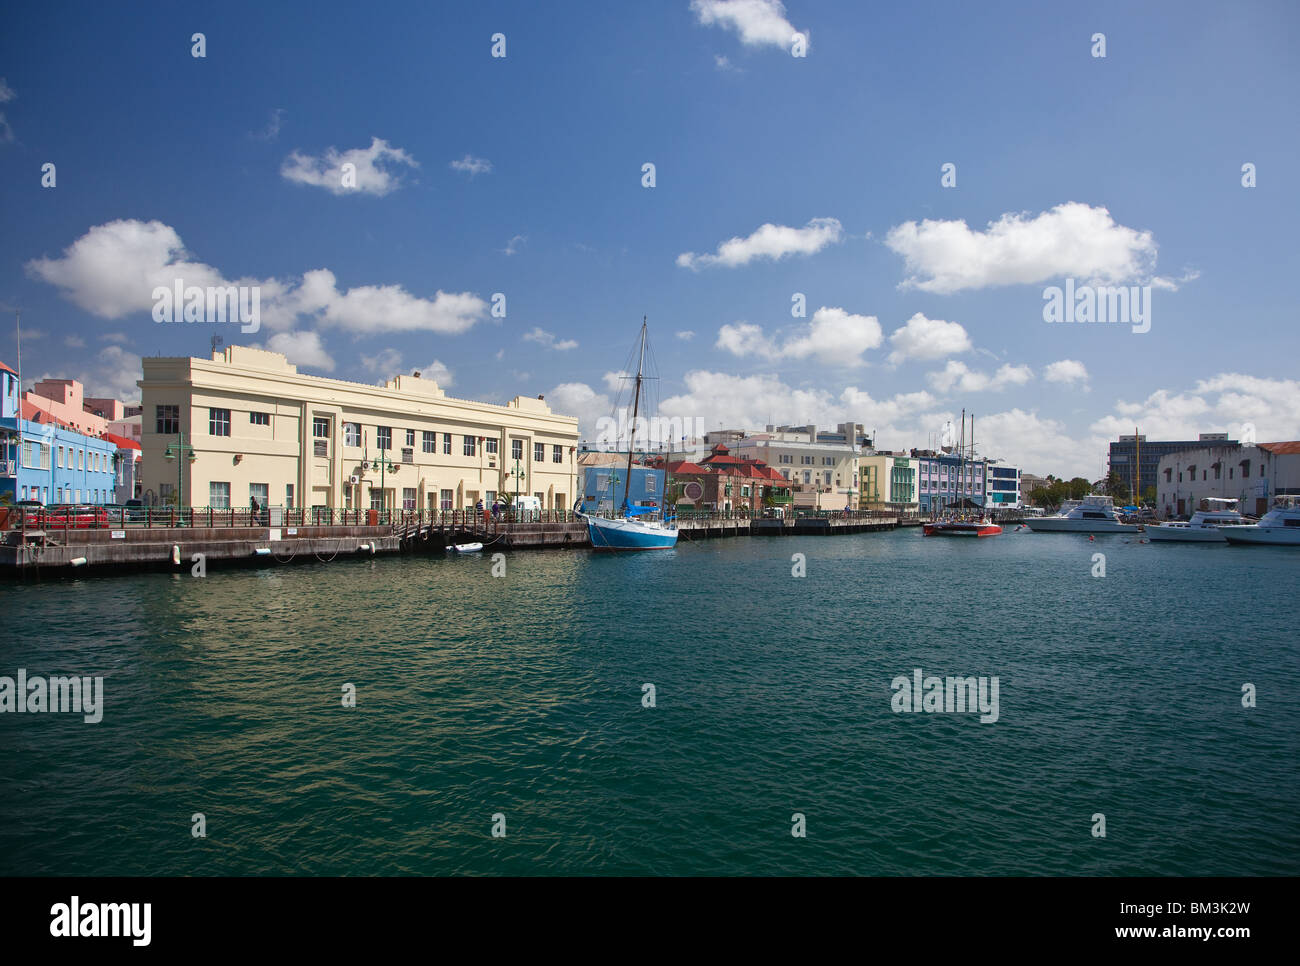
column 523, row 696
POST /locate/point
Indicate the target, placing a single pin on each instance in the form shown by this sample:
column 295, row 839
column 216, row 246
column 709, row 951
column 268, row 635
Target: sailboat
column 634, row 527
column 957, row 524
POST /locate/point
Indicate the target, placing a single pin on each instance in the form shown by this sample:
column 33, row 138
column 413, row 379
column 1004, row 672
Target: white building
column 1255, row 475
column 821, row 467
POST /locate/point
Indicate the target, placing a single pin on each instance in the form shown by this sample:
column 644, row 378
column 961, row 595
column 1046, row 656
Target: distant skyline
column 912, row 180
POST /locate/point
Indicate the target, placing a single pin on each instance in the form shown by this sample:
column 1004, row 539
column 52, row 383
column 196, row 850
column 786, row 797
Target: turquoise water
column 522, row 695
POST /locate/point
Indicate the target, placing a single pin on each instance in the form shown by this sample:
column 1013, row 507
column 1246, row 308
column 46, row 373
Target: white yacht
column 1203, row 527
column 1092, row 514
column 1280, row 526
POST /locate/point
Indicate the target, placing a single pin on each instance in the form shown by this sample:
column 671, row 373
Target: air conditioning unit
column 354, row 479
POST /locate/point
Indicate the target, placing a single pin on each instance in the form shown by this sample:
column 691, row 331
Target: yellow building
column 888, row 481
column 261, row 430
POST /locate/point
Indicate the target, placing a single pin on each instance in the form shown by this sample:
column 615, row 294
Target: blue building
column 603, row 487
column 43, row 460
column 946, row 480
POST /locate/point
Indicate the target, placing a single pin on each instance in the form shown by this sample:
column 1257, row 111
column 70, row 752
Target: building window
column 384, row 437
column 288, row 495
column 557, row 454
column 166, row 493
column 218, row 422
column 410, row 437
column 516, row 449
column 469, row 445
column 320, row 427
column 408, row 496
column 59, row 463
column 539, row 452
column 408, row 456
column 351, row 434
column 429, row 442
column 261, row 493
column 168, row 419
column 444, row 499
column 446, row 446
column 219, row 496
column 81, row 453
column 259, row 419
column 491, row 446
column 321, row 447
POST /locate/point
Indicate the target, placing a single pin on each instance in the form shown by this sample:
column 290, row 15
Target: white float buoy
column 262, row 551
column 176, row 554
column 78, row 561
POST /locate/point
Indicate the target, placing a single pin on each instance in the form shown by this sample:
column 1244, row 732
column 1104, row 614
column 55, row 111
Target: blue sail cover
column 636, row 511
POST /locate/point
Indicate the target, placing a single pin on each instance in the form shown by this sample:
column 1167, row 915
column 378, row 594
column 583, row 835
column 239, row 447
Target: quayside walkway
column 114, row 539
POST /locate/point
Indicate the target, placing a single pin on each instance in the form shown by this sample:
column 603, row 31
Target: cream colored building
column 822, row 473
column 260, row 429
column 889, row 481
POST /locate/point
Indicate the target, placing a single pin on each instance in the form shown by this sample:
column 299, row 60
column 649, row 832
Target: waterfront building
column 1124, row 457
column 1255, row 475
column 888, row 481
column 727, row 482
column 43, row 458
column 1028, row 483
column 947, row 480
column 821, row 467
column 603, row 486
column 245, row 424
column 1001, row 485
column 126, row 468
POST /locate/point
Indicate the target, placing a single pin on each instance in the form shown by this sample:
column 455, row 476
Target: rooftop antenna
column 216, row 341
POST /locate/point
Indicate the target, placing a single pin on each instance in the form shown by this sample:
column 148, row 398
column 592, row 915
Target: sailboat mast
column 636, row 406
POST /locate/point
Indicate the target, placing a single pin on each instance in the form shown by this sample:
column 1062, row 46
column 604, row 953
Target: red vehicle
column 71, row 517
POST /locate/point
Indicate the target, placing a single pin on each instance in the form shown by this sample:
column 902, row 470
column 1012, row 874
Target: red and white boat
column 982, row 527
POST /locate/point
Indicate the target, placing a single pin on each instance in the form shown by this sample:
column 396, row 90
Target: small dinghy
column 465, row 547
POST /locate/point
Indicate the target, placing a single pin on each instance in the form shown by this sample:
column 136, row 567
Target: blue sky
column 1125, row 169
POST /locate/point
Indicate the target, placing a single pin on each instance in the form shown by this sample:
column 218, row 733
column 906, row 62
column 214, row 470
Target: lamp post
column 176, row 451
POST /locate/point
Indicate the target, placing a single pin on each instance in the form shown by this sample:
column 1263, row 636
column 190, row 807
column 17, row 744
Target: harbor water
column 518, row 703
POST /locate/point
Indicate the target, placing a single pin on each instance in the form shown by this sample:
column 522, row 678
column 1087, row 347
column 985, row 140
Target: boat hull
column 942, row 529
column 1271, row 536
column 1185, row 535
column 629, row 535
column 1051, row 525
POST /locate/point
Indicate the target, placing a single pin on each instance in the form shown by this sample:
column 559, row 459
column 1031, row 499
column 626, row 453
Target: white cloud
column 376, row 168
column 272, row 129
column 1222, row 403
column 513, row 245
column 471, row 165
column 6, row 95
column 958, row 376
column 386, row 362
column 547, row 340
column 74, row 342
column 832, row 337
column 1067, row 371
column 725, row 65
column 438, row 372
column 302, row 348
column 686, row 335
column 579, row 399
column 614, row 381
column 758, row 22
column 769, row 241
column 113, row 269
column 113, row 375
column 1072, row 239
column 922, row 338
column 113, row 337
column 1038, row 445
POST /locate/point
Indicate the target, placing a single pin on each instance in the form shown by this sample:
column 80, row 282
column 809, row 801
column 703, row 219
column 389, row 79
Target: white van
column 527, row 508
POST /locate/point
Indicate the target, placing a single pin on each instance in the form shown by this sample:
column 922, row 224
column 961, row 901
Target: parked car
column 74, row 517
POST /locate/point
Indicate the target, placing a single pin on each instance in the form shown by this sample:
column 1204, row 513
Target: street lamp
column 180, row 449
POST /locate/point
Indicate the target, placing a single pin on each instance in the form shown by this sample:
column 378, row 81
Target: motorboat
column 1093, row 514
column 465, row 547
column 976, row 527
column 1203, row 527
column 1280, row 526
